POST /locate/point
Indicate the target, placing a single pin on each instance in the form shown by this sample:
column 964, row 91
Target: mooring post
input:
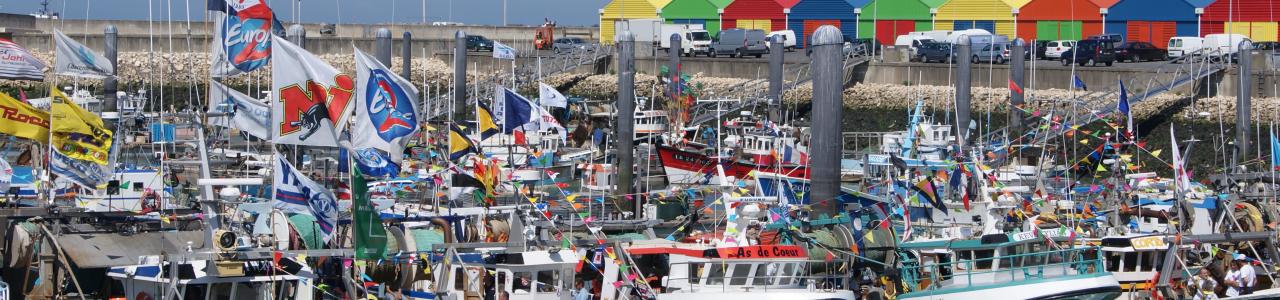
column 827, row 113
column 626, row 104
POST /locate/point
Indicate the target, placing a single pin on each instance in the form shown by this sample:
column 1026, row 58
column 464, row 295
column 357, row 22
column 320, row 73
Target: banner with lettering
column 78, row 133
column 22, row 120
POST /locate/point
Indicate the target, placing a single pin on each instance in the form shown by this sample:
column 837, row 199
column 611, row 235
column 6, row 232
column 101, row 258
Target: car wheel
column 711, row 54
column 759, row 55
column 1000, row 60
column 1108, row 64
column 1093, row 63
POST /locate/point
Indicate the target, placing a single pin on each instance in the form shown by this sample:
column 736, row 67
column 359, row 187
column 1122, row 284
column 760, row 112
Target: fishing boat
column 683, row 271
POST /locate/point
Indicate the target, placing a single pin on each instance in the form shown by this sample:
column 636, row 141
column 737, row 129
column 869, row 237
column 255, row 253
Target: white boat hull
column 759, row 294
column 1029, row 290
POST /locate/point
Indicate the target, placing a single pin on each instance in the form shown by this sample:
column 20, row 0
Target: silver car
column 571, row 44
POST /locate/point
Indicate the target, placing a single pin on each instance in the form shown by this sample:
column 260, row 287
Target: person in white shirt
column 1241, row 279
column 1202, row 285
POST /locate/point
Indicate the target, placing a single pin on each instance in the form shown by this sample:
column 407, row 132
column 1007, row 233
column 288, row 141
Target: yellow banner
column 22, row 120
column 78, row 133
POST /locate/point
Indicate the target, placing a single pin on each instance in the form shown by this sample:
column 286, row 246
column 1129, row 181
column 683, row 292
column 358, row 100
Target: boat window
column 695, row 269
column 983, row 257
column 787, row 275
column 548, row 281
column 1012, row 261
column 715, row 274
column 764, row 273
column 740, row 274
column 137, row 187
column 1130, row 262
column 522, row 282
column 501, row 281
column 1113, row 261
column 459, row 279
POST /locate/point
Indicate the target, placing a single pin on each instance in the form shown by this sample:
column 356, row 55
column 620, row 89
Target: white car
column 788, row 39
column 1054, row 49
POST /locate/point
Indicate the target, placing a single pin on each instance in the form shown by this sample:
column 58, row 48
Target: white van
column 911, row 42
column 1180, row 46
column 693, row 39
column 788, row 39
column 955, row 35
column 936, row 35
column 1223, row 46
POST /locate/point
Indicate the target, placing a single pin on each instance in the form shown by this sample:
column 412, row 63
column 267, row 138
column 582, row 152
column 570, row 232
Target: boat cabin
column 691, row 271
column 258, row 279
column 1135, row 259
column 649, row 122
column 1027, row 264
column 530, row 275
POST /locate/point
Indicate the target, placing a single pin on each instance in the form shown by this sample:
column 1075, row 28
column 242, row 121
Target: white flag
column 543, row 120
column 296, row 193
column 549, row 96
column 386, row 110
column 311, row 100
column 244, row 112
column 503, row 51
column 6, row 175
column 18, row 64
column 74, row 59
column 1182, row 182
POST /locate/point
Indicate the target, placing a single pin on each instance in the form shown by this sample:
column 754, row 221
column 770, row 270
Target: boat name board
column 767, row 251
column 1149, row 243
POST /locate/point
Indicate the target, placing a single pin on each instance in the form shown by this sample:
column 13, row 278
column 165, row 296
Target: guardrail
column 787, row 275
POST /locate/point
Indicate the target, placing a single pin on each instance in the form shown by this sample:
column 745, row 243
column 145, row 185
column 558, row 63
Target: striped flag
column 18, row 63
column 342, row 191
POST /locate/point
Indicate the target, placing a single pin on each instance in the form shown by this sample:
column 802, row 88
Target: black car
column 1140, row 51
column 1090, row 52
column 1041, row 47
column 479, row 43
column 934, row 51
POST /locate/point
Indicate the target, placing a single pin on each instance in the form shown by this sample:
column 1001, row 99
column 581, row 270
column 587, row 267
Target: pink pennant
column 617, row 284
column 631, row 277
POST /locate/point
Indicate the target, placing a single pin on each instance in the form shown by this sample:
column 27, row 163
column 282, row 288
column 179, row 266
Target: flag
column 6, row 174
column 77, row 133
column 1077, row 83
column 459, row 143
column 18, row 63
column 295, row 193
column 549, row 96
column 311, row 99
column 243, row 112
column 1123, row 107
column 1014, row 88
column 386, row 110
column 544, row 121
column 74, row 59
column 370, row 237
column 1275, row 151
column 371, row 161
column 84, row 173
column 22, row 120
column 503, row 51
column 464, row 180
column 242, row 36
column 342, row 191
column 516, row 110
column 926, row 189
column 484, row 119
column 1182, row 182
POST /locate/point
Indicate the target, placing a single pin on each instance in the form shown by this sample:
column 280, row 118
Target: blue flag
column 1079, row 84
column 1123, row 107
column 517, row 111
column 1275, row 150
column 370, row 161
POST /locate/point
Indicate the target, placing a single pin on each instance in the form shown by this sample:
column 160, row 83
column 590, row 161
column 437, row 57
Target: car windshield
column 701, row 36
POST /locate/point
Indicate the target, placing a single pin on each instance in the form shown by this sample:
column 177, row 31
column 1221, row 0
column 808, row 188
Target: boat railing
column 1018, row 267
column 784, row 275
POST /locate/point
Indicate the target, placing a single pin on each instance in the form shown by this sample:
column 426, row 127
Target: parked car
column 788, row 39
column 935, row 51
column 1114, row 38
column 479, row 43
column 1223, row 47
column 992, row 53
column 1090, row 52
column 1054, row 49
column 1180, row 46
column 1139, row 51
column 740, row 42
column 911, row 42
column 1041, row 48
column 569, row 44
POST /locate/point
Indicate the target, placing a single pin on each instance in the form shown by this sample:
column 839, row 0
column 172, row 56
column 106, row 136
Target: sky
column 480, row 12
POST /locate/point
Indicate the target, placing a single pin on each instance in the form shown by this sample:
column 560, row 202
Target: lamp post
column 1015, row 23
column 857, row 18
column 786, row 18
column 1199, row 13
column 1104, row 12
column 933, row 17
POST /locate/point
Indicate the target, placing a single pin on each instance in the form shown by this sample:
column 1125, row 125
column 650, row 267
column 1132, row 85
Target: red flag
column 830, row 257
column 23, row 96
column 519, row 137
column 1014, row 88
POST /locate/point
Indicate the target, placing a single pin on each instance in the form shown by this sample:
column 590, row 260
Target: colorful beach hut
column 767, row 15
column 694, row 12
column 623, row 10
column 885, row 20
column 1049, row 20
column 1152, row 21
column 1253, row 18
column 807, row 15
column 995, row 16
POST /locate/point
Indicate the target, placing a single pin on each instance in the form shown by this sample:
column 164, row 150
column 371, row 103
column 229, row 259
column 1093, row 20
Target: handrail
column 1069, row 260
column 798, row 277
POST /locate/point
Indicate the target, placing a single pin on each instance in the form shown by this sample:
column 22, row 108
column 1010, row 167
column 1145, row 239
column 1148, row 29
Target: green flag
column 370, row 237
